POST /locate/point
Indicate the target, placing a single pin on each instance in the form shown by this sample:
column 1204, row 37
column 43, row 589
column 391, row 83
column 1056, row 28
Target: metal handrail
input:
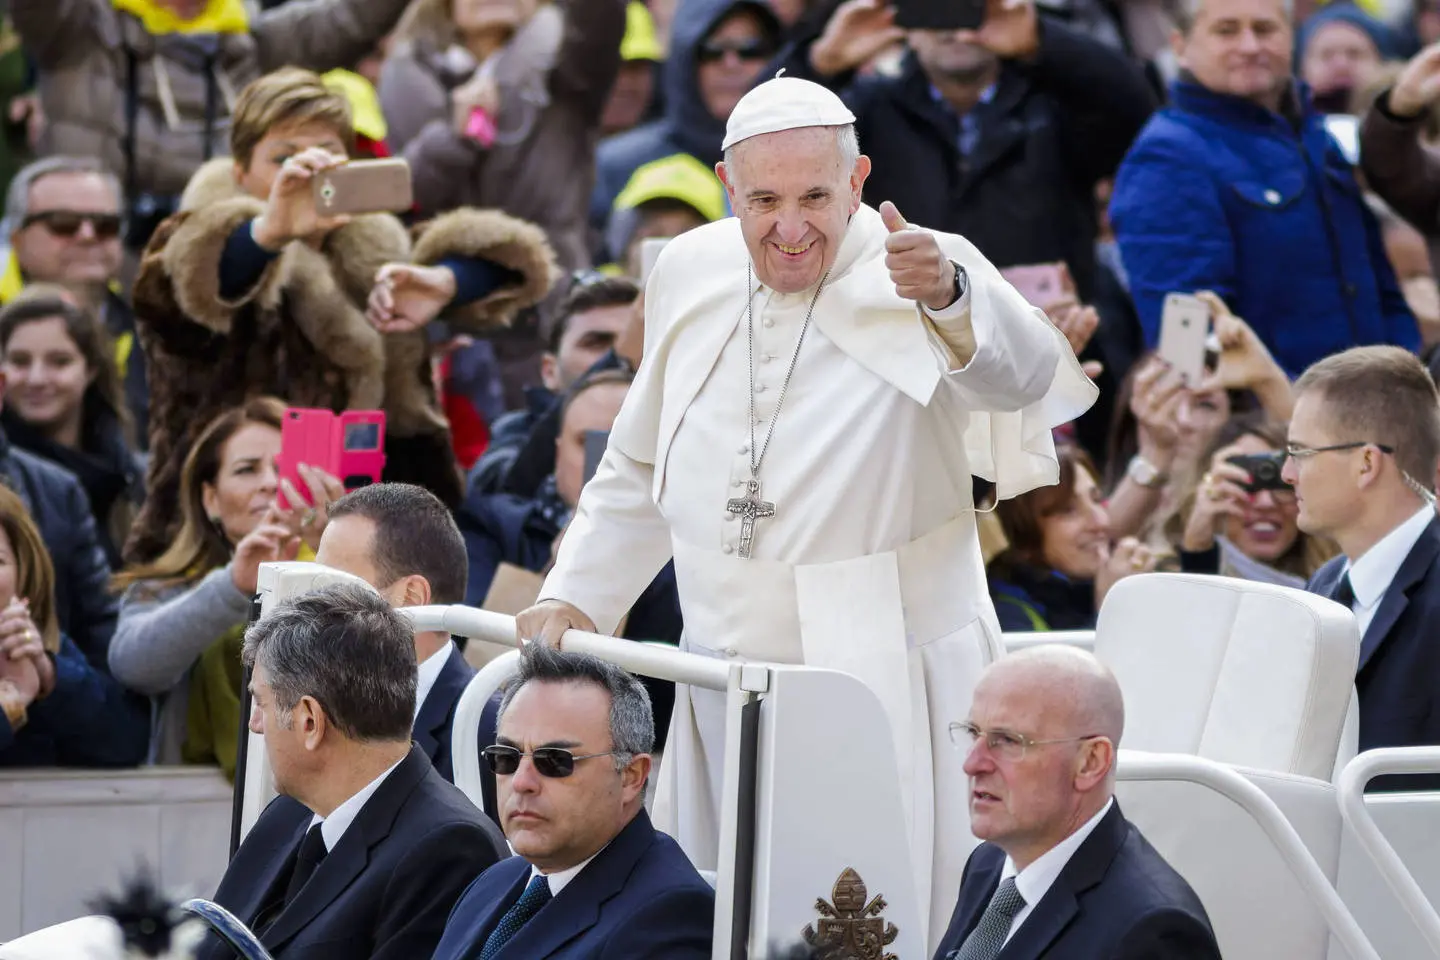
column 1234, row 786
column 229, row 928
column 1359, row 772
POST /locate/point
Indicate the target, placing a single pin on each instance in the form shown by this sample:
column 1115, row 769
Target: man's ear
column 415, row 591
column 310, row 717
column 633, row 777
column 1095, row 764
column 724, row 176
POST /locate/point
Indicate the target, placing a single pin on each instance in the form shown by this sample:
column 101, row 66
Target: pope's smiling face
column 794, row 192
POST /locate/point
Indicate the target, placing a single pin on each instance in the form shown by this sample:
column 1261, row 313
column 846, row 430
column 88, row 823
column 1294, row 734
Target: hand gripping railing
column 228, row 927
column 1357, row 773
column 1235, row 787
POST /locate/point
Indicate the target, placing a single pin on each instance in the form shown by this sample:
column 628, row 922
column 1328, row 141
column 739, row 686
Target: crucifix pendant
column 749, row 508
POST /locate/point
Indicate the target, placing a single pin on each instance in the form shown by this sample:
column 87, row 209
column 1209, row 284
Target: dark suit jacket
column 1399, row 659
column 434, row 722
column 386, row 888
column 639, row 899
column 1117, row 899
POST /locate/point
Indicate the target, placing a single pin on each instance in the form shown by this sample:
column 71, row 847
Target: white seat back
column 1230, row 670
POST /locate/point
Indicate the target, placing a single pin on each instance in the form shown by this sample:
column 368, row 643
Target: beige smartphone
column 364, row 186
column 1041, row 284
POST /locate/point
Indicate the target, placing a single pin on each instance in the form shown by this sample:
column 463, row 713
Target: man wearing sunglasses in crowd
column 1061, row 873
column 1364, row 446
column 593, row 878
column 64, row 223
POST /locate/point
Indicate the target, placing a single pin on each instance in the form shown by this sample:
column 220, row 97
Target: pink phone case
column 481, row 128
column 350, row 445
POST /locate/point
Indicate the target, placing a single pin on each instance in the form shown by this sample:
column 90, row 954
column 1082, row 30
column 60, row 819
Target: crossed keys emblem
column 851, row 928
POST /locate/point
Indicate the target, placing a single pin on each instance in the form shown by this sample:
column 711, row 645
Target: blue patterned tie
column 536, row 895
column 988, row 938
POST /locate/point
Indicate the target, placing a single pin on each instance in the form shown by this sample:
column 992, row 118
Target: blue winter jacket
column 1221, row 194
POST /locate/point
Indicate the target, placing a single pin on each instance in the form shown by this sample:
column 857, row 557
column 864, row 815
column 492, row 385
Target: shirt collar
column 986, row 95
column 427, row 673
column 1371, row 574
column 560, row 879
column 333, row 827
column 1036, row 880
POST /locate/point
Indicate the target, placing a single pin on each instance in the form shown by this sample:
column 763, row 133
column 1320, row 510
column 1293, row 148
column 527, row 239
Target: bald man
column 1062, row 875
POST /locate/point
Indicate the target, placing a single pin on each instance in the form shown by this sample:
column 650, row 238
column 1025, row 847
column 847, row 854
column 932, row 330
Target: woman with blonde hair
column 183, row 615
column 56, row 708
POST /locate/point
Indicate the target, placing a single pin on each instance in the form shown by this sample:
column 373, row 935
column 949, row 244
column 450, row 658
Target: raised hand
column 917, row 265
column 856, row 32
column 547, row 621
column 290, row 212
column 406, row 297
column 271, row 540
column 1011, row 30
column 1418, row 85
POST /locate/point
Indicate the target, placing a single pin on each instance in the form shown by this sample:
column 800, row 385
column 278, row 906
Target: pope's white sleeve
column 614, row 546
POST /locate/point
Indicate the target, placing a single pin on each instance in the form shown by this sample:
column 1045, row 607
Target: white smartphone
column 650, row 249
column 1184, row 330
column 1346, row 131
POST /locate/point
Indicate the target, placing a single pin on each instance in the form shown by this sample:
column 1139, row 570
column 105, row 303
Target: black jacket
column 1116, row 899
column 56, row 501
column 1026, row 193
column 383, row 893
column 435, row 722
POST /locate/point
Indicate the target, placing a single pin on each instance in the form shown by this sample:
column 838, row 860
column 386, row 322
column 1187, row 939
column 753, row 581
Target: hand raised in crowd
column 290, row 212
column 548, row 620
column 917, row 265
column 1244, row 362
column 1418, row 85
column 20, row 639
column 308, row 522
column 1077, row 321
column 406, row 296
column 20, row 679
column 1155, row 404
column 1127, row 558
column 857, row 31
column 1221, row 494
column 480, row 92
column 1011, row 30
column 271, row 540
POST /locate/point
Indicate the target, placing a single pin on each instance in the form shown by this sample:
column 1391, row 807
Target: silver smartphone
column 1184, row 330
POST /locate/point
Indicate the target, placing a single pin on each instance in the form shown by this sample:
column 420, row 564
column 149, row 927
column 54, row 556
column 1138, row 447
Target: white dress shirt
column 1035, row 881
column 427, row 673
column 561, row 878
column 1371, row 574
column 333, row 827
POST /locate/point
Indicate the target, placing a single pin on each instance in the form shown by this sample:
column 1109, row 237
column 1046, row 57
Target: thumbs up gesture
column 917, row 265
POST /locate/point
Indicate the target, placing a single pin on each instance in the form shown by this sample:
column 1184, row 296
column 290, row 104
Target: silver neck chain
column 758, row 456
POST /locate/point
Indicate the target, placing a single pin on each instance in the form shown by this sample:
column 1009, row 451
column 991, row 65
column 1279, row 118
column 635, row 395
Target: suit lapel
column 985, row 880
column 440, row 701
column 277, row 864
column 1061, row 903
column 1396, row 597
column 343, row 864
column 577, row 907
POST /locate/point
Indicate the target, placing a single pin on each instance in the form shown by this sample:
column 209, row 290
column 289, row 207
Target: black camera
column 1264, row 470
column 147, row 213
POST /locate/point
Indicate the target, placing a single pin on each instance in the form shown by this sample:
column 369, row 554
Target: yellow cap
column 676, row 177
column 640, row 41
column 365, row 114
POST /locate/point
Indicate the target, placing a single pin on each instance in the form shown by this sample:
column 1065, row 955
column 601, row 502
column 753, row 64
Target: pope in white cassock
column 820, row 381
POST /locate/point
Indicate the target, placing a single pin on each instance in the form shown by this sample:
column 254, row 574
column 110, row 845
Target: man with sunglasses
column 1061, row 873
column 1363, row 452
column 593, row 878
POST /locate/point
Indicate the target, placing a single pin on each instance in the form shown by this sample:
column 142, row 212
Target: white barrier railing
column 1234, row 786
column 1357, row 773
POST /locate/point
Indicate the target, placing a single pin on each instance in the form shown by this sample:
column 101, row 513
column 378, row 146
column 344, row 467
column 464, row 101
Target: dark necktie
column 1344, row 594
column 536, row 895
column 988, row 938
column 312, row 851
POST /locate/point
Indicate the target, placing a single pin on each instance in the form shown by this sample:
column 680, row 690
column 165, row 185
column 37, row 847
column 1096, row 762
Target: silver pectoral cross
column 749, row 508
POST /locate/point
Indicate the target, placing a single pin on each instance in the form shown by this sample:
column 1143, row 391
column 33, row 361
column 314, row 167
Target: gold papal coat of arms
column 851, row 928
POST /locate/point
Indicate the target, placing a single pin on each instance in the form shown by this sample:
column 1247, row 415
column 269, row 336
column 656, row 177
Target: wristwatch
column 1145, row 473
column 962, row 282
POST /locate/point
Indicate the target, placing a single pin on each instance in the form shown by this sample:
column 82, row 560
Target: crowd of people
column 170, row 288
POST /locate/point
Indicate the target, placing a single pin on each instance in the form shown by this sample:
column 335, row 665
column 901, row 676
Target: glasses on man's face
column 554, row 762
column 1298, row 451
column 67, row 223
column 1002, row 744
column 713, row 51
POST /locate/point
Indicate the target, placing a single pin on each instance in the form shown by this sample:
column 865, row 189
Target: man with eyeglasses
column 593, row 878
column 366, row 848
column 1061, row 873
column 1364, row 447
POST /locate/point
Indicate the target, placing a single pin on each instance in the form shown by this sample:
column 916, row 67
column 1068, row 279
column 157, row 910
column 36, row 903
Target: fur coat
column 301, row 334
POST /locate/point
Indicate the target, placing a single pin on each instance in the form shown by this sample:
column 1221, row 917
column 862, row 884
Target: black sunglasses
column 67, row 223
column 712, row 50
column 553, row 762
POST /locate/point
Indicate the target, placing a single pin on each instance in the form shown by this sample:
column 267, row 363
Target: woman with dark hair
column 56, row 708
column 182, row 616
column 63, row 402
column 1241, row 520
column 1059, row 564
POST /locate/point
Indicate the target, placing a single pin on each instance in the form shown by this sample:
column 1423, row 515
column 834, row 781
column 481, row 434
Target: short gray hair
column 846, row 139
column 17, row 200
column 1186, row 12
column 346, row 647
column 632, row 721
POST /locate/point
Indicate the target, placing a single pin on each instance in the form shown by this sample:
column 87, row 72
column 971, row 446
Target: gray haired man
column 367, row 848
column 593, row 878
